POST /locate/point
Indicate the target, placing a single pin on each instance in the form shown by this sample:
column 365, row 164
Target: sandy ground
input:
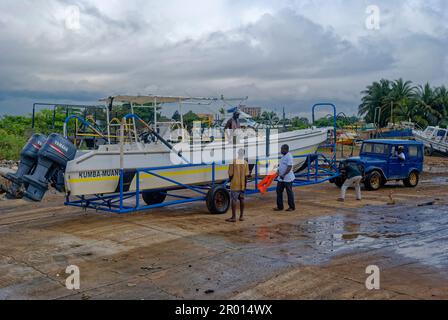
column 319, row 252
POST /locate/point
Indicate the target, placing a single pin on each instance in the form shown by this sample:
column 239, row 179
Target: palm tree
column 373, row 100
column 441, row 104
column 411, row 113
column 401, row 96
column 382, row 99
column 270, row 118
column 401, row 101
column 426, row 102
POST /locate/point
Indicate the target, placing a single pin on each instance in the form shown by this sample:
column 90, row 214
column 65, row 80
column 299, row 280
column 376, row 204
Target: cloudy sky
column 279, row 53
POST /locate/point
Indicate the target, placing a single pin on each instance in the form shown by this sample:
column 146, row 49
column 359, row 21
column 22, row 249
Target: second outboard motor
column 28, row 161
column 53, row 156
column 58, row 181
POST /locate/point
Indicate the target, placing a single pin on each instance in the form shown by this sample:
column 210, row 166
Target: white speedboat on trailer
column 98, row 171
column 435, row 139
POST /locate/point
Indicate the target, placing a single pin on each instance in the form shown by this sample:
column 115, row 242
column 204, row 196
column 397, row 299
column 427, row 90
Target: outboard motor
column 28, row 162
column 53, row 157
column 58, row 181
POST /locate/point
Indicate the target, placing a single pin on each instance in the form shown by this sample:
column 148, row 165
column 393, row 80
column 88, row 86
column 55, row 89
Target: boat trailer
column 319, row 168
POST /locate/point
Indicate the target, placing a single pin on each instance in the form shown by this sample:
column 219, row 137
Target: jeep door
column 396, row 167
column 415, row 158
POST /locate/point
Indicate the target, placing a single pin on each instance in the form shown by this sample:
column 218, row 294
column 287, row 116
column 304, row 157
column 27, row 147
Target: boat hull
column 98, row 172
column 430, row 143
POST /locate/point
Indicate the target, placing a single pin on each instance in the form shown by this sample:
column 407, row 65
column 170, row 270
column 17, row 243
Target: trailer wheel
column 153, row 197
column 412, row 180
column 218, row 200
column 373, row 181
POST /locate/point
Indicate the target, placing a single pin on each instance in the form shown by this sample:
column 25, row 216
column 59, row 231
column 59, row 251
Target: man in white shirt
column 400, row 153
column 286, row 178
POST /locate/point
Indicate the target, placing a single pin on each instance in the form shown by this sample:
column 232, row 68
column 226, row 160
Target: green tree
column 189, row 118
column 373, row 100
column 441, row 104
column 176, row 116
column 401, row 96
column 401, row 101
column 299, row 123
column 270, row 118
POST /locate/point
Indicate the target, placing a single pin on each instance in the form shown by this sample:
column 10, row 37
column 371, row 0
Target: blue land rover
column 380, row 163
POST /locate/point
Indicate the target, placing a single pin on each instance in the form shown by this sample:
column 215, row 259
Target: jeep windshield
column 375, row 148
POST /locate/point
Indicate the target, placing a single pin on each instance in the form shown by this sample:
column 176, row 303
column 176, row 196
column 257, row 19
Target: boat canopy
column 142, row 100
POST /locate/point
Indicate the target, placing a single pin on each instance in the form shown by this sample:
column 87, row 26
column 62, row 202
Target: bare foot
column 231, row 220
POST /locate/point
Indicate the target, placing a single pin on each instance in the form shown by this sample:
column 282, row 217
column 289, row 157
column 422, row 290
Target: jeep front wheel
column 412, row 180
column 373, row 181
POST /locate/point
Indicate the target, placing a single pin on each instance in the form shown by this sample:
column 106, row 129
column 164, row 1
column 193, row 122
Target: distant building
column 254, row 112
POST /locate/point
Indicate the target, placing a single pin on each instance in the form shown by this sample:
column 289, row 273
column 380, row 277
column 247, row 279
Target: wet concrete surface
column 319, row 252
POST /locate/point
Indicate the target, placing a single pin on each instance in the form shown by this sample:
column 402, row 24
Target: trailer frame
column 319, row 169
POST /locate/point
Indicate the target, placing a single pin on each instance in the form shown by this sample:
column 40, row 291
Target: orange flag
column 264, row 185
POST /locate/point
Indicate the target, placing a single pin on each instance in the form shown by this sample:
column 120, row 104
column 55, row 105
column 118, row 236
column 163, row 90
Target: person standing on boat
column 238, row 174
column 286, row 179
column 232, row 127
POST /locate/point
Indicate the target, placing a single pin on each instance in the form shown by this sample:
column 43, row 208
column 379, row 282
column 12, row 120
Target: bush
column 16, row 130
column 11, row 145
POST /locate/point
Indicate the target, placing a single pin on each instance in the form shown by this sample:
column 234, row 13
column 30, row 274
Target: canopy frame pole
column 155, row 114
column 182, row 119
column 134, row 124
column 108, row 126
column 122, row 126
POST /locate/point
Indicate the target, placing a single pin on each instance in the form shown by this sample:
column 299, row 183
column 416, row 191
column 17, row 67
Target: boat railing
column 86, row 123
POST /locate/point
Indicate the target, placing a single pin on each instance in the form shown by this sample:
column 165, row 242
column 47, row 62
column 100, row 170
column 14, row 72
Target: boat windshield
column 374, row 148
column 429, row 131
column 440, row 135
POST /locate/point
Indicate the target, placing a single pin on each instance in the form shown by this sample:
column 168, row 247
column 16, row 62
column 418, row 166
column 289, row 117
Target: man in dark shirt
column 354, row 177
column 232, row 126
column 234, row 122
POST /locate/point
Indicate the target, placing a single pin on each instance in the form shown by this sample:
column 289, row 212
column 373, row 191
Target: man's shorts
column 237, row 195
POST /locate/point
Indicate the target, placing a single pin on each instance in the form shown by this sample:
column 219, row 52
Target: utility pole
column 284, row 119
column 392, row 112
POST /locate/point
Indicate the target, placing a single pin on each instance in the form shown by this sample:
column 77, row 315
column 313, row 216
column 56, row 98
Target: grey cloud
column 282, row 59
column 286, row 46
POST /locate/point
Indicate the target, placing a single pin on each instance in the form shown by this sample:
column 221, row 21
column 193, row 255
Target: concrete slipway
column 319, row 252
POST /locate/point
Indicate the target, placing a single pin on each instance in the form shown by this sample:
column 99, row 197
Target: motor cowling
column 52, row 157
column 27, row 164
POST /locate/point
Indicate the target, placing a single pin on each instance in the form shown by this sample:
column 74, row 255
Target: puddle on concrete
column 435, row 169
column 419, row 233
column 439, row 181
